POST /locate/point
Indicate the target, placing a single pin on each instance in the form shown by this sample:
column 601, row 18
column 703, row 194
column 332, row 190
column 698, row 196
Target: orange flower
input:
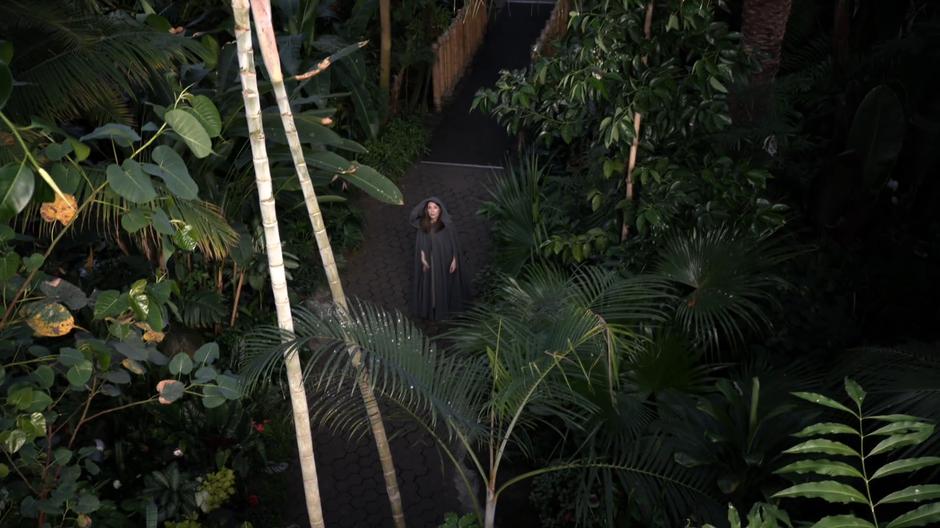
column 63, row 209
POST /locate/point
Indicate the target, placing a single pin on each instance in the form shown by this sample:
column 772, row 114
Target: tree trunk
column 763, row 26
column 489, row 518
column 635, row 145
column 385, row 57
column 266, row 39
column 272, row 239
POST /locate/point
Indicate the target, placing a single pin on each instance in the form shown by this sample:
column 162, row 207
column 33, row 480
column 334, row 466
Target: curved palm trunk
column 272, row 240
column 262, row 15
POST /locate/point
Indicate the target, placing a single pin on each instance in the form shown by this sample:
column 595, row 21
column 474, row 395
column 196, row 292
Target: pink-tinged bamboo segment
column 555, row 28
column 272, row 241
column 455, row 48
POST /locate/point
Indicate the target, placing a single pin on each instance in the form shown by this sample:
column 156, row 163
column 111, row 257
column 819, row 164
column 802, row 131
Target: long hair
column 426, row 224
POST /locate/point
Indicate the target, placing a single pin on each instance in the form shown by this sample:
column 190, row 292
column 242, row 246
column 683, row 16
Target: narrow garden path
column 465, row 151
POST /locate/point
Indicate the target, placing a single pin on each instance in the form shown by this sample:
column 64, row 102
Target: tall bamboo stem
column 272, row 240
column 261, row 9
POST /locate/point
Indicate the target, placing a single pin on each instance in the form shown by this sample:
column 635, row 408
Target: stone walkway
column 458, row 172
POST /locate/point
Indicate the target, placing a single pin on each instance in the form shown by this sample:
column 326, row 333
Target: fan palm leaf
column 726, row 282
column 77, row 64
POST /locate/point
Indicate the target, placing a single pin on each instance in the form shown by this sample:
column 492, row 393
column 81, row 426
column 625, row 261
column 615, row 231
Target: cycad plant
column 861, row 464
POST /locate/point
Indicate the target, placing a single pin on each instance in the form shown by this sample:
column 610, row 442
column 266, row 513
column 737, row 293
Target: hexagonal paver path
column 465, row 150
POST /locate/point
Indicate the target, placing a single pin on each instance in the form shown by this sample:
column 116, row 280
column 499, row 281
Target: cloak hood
column 418, row 212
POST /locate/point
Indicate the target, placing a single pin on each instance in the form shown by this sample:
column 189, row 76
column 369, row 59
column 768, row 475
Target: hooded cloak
column 437, row 293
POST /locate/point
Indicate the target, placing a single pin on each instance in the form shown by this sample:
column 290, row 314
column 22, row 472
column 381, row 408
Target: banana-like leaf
column 820, row 445
column 374, row 184
column 829, row 468
column 919, row 493
column 905, row 465
column 828, row 490
column 926, row 515
column 328, row 161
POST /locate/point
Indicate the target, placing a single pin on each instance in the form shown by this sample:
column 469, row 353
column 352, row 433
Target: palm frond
column 78, row 64
column 726, row 282
column 649, row 474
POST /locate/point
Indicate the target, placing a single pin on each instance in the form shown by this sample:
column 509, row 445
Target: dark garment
column 437, row 293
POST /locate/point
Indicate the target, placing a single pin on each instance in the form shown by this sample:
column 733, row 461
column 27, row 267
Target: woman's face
column 434, row 211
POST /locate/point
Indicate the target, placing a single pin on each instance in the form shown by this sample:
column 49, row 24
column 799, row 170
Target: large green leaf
column 17, row 183
column 926, row 515
column 205, row 111
column 842, row 521
column 827, row 490
column 130, row 182
column 374, row 184
column 174, row 173
column 829, row 468
column 110, row 303
column 79, row 373
column 905, row 465
column 919, row 493
column 328, row 161
column 123, row 135
column 191, row 130
column 820, row 445
column 826, row 428
column 6, row 84
column 877, row 133
column 181, row 364
column 823, row 400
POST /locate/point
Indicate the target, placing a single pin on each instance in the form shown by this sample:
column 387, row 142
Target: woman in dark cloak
column 439, row 286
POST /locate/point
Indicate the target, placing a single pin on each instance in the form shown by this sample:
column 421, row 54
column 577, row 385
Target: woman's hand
column 424, row 263
column 453, row 264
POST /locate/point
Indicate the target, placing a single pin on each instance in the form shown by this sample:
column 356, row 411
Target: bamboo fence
column 454, row 50
column 555, row 28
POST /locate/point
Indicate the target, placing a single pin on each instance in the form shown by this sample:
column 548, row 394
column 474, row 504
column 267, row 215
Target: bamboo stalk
column 637, row 121
column 238, row 295
column 261, row 10
column 276, row 269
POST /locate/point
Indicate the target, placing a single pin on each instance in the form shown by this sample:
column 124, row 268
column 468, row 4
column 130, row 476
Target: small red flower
column 253, row 500
column 259, row 426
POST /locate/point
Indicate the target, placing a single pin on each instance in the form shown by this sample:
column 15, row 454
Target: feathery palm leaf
column 79, row 64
